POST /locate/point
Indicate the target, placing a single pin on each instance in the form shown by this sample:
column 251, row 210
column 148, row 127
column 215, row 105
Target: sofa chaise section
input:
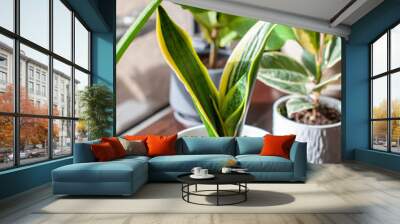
column 87, row 177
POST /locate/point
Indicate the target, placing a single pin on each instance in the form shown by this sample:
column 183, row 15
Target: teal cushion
column 185, row 163
column 257, row 163
column 249, row 145
column 206, row 145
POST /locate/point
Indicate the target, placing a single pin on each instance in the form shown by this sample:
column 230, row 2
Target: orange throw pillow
column 116, row 145
column 135, row 137
column 103, row 152
column 277, row 145
column 161, row 145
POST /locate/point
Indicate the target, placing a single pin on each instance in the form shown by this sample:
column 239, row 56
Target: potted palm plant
column 96, row 102
column 314, row 118
column 219, row 30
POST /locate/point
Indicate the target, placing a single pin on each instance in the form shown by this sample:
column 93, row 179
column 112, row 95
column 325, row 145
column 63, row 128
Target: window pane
column 395, row 94
column 81, row 82
column 62, row 29
column 6, row 74
column 34, row 72
column 379, row 97
column 379, row 55
column 62, row 138
column 395, row 136
column 6, row 142
column 62, row 89
column 33, row 139
column 395, row 47
column 379, row 135
column 81, row 131
column 7, row 14
column 35, row 21
column 81, row 45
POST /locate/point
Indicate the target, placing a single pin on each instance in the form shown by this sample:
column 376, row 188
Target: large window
column 44, row 64
column 385, row 91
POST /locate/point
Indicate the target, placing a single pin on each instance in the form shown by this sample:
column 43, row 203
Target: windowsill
column 25, row 167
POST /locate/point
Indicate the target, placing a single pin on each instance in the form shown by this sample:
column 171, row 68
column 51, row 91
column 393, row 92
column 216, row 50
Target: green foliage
column 305, row 78
column 97, row 104
column 219, row 29
column 135, row 28
column 222, row 111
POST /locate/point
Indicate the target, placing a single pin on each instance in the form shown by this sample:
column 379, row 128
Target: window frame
column 16, row 115
column 388, row 74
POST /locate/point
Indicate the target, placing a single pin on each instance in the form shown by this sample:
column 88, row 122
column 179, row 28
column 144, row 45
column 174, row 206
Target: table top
column 220, row 178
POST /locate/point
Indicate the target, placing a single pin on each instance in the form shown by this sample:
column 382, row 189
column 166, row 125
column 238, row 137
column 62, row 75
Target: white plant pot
column 200, row 130
column 323, row 141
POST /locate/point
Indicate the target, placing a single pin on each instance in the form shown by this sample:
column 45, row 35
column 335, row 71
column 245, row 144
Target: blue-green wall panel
column 355, row 84
column 24, row 178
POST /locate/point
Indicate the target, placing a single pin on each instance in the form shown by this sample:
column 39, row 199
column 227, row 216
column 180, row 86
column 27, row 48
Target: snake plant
column 303, row 79
column 222, row 110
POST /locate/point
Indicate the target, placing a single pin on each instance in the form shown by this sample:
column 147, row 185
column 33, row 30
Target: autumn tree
column 33, row 131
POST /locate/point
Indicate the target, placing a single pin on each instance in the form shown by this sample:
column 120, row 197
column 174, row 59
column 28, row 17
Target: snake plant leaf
column 283, row 73
column 177, row 49
column 309, row 40
column 135, row 28
column 297, row 104
column 239, row 76
column 324, row 83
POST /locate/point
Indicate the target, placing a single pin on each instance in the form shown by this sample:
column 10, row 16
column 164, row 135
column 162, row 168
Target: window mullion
column 50, row 81
column 389, row 101
column 73, row 81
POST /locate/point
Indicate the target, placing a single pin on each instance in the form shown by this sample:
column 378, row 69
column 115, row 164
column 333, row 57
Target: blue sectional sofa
column 125, row 176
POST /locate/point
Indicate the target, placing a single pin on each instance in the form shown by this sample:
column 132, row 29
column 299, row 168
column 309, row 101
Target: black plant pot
column 180, row 100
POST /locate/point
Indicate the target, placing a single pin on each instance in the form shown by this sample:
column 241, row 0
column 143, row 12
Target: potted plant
column 219, row 30
column 97, row 102
column 315, row 119
column 223, row 110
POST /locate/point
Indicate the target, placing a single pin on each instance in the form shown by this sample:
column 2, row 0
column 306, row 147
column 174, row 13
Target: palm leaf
column 177, row 49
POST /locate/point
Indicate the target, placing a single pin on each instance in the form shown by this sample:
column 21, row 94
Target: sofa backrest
column 249, row 145
column 205, row 145
column 83, row 152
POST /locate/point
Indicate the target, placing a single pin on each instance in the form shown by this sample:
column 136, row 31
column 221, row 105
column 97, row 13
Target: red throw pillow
column 103, row 152
column 161, row 145
column 116, row 145
column 277, row 145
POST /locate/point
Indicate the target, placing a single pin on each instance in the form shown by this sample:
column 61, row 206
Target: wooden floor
column 378, row 189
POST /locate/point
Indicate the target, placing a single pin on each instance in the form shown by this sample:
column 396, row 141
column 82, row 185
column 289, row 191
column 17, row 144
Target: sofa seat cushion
column 257, row 163
column 185, row 163
column 113, row 171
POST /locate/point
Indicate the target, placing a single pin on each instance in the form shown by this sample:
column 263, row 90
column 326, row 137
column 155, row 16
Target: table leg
column 217, row 194
column 195, row 188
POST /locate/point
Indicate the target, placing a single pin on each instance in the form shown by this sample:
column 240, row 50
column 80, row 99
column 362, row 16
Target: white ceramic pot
column 323, row 141
column 200, row 130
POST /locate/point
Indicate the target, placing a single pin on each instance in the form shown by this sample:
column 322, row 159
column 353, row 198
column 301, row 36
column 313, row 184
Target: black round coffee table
column 238, row 179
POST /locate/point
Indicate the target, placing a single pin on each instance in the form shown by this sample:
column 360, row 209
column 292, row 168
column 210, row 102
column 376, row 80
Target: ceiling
column 329, row 16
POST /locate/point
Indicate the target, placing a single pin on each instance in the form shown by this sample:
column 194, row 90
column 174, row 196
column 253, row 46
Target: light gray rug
column 166, row 198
